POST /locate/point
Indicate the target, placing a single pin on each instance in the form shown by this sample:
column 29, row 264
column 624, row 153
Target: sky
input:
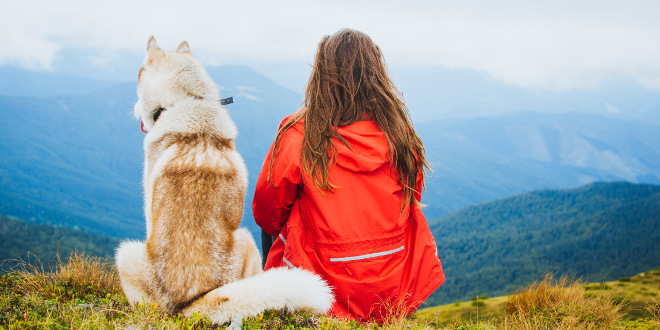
column 553, row 45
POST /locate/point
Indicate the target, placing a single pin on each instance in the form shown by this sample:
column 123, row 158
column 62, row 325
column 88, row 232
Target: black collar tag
column 226, row 101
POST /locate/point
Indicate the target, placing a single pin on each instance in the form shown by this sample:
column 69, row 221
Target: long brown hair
column 349, row 82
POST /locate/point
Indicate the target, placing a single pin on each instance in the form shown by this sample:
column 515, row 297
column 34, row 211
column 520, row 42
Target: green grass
column 83, row 292
column 637, row 297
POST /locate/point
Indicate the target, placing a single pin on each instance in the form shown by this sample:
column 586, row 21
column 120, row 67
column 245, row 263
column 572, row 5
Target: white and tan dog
column 195, row 258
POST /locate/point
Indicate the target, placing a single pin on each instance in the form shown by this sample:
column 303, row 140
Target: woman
column 340, row 188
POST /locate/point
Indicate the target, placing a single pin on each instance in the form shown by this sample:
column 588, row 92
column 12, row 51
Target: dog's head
column 167, row 78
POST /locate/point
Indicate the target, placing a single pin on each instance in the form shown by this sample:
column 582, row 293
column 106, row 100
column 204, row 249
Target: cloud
column 552, row 45
column 556, row 45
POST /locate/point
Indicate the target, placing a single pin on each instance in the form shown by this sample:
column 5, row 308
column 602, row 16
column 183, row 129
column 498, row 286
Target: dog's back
column 196, row 207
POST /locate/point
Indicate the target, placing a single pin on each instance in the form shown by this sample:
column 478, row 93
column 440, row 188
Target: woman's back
column 341, row 187
column 357, row 237
column 366, row 198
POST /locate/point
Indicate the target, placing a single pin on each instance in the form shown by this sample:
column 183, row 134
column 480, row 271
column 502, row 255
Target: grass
column 562, row 304
column 629, row 303
column 83, row 292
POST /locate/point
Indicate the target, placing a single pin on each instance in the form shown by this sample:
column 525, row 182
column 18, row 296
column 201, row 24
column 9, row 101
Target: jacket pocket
column 365, row 260
column 364, row 257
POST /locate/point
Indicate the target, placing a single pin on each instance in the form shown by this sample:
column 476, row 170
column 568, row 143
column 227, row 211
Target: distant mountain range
column 75, row 160
column 440, row 93
column 18, row 82
column 481, row 159
column 602, row 231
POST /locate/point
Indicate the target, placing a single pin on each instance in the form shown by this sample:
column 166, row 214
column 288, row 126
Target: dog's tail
column 277, row 288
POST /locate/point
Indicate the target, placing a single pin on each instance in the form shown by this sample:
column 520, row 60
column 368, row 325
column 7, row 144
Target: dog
column 195, row 258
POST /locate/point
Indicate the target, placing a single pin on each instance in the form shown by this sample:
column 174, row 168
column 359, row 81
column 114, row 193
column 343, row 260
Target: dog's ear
column 153, row 50
column 184, row 48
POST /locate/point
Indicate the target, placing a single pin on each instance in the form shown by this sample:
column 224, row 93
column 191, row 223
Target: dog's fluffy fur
column 195, row 258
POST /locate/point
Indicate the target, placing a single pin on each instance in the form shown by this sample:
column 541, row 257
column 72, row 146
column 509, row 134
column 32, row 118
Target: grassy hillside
column 84, row 293
column 602, row 231
column 639, row 297
column 18, row 238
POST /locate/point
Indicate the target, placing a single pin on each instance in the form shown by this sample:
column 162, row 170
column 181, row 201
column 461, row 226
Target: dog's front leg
column 135, row 272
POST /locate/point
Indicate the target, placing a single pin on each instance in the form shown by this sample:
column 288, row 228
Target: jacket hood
column 369, row 147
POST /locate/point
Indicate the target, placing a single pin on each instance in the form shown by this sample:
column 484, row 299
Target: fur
column 195, row 258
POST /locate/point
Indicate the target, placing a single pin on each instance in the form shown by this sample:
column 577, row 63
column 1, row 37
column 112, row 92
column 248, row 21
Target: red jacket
column 356, row 238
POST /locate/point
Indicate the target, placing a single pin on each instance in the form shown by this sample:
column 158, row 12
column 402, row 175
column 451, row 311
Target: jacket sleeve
column 272, row 203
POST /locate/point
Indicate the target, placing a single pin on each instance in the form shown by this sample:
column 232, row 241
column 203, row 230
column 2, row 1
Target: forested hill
column 601, row 231
column 17, row 238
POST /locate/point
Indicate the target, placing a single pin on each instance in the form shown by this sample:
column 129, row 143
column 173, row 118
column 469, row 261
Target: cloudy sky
column 555, row 45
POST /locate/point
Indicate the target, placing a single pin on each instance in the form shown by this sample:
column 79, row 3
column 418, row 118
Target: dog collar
column 225, row 101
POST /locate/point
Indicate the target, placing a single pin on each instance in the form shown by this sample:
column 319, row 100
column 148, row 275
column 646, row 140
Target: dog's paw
column 235, row 325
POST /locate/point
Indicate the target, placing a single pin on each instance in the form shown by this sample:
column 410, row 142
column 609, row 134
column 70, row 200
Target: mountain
column 75, row 160
column 440, row 93
column 72, row 161
column 32, row 242
column 602, row 231
column 481, row 159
